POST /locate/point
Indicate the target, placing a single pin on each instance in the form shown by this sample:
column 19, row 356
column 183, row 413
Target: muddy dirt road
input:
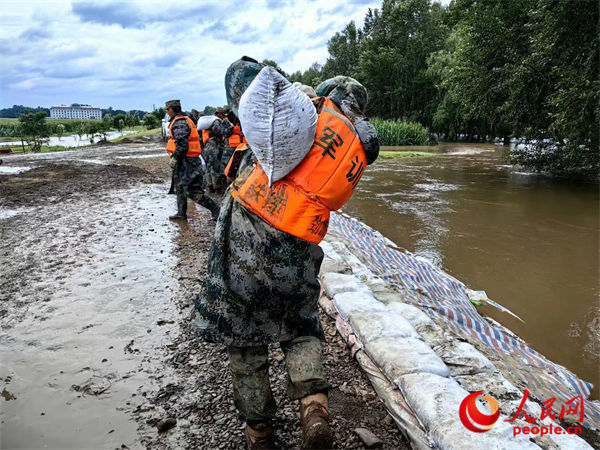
column 96, row 291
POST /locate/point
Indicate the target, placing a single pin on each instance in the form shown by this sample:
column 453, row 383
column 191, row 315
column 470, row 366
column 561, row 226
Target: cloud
column 134, row 53
column 113, row 13
column 34, row 34
column 132, row 15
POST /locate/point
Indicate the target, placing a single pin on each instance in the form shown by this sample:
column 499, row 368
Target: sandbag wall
column 420, row 371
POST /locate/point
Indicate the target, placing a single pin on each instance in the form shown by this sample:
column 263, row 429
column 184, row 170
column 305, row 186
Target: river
column 531, row 242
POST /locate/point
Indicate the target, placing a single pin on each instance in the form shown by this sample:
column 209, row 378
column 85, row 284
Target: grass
column 45, row 149
column 398, row 155
column 395, row 132
column 139, row 131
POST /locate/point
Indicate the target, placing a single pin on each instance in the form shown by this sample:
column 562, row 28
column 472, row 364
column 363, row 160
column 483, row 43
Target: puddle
column 97, row 281
column 8, row 213
column 8, row 170
column 72, row 140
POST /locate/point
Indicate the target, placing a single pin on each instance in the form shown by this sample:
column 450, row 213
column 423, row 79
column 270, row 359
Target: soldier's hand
column 173, row 162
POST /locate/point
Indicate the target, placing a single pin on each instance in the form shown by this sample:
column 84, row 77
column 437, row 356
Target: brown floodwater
column 531, row 242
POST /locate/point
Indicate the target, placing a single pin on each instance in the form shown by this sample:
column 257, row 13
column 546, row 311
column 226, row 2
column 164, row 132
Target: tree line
column 16, row 111
column 481, row 70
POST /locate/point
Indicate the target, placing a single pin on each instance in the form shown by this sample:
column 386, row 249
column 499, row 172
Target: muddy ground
column 96, row 293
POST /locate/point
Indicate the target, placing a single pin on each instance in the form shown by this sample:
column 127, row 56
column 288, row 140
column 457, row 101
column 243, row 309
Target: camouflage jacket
column 261, row 283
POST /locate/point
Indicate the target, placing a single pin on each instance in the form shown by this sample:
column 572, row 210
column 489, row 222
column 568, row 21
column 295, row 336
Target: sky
column 133, row 54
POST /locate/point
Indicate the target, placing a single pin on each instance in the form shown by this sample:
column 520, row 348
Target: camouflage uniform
column 212, row 153
column 261, row 287
column 187, row 180
column 226, row 130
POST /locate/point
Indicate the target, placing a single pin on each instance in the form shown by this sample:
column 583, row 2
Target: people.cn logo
column 475, row 420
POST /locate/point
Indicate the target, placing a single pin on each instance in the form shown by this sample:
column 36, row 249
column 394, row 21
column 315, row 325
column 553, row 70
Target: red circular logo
column 472, row 418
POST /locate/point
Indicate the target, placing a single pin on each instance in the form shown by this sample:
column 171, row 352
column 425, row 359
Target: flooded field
column 530, row 242
column 71, row 140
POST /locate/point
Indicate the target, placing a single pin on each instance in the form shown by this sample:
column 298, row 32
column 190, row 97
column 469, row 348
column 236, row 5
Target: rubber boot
column 181, row 209
column 259, row 436
column 210, row 204
column 314, row 418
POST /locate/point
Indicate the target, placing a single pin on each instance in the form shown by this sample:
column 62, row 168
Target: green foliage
column 482, row 69
column 33, row 129
column 151, row 121
column 17, row 110
column 60, row 130
column 400, row 133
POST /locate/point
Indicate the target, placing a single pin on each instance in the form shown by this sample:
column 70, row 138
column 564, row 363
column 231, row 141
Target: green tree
column 60, row 130
column 150, row 121
column 394, row 47
column 34, row 130
column 118, row 121
column 344, row 51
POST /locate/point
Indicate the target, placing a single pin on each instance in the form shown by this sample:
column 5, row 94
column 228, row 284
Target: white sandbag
column 279, row 122
column 411, row 313
column 374, row 325
column 336, row 283
column 348, row 303
column 400, row 356
column 464, row 359
column 436, row 399
column 205, row 122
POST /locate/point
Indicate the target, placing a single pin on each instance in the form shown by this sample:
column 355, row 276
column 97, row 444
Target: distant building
column 75, row 111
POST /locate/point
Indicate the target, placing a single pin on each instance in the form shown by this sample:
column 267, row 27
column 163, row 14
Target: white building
column 75, row 111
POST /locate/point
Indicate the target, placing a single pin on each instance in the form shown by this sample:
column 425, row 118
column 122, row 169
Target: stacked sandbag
column 279, row 122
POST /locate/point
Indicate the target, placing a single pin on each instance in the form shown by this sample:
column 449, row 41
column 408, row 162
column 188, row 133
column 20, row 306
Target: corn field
column 395, row 132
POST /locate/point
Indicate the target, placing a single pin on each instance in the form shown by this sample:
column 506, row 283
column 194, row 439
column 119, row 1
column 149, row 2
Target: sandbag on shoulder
column 279, row 122
column 205, row 122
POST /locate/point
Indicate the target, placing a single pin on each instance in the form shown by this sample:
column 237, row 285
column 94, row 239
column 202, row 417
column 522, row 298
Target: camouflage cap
column 220, row 110
column 172, row 104
column 238, row 77
column 195, row 112
column 342, row 89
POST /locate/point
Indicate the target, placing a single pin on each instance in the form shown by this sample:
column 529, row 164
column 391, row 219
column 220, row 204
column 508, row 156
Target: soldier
column 212, row 151
column 234, row 138
column 195, row 115
column 184, row 147
column 261, row 284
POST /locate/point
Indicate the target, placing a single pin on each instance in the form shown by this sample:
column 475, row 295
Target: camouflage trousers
column 250, row 372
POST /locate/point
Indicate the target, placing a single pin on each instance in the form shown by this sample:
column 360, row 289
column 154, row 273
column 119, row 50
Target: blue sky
column 131, row 54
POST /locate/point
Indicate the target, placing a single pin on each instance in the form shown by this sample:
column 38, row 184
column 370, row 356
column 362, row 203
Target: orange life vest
column 324, row 181
column 236, row 137
column 206, row 136
column 234, row 161
column 193, row 140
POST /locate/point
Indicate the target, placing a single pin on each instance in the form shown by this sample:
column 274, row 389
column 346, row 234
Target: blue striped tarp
column 446, row 299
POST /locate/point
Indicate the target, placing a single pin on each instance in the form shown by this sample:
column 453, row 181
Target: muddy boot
column 210, row 204
column 259, row 436
column 181, row 209
column 314, row 418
